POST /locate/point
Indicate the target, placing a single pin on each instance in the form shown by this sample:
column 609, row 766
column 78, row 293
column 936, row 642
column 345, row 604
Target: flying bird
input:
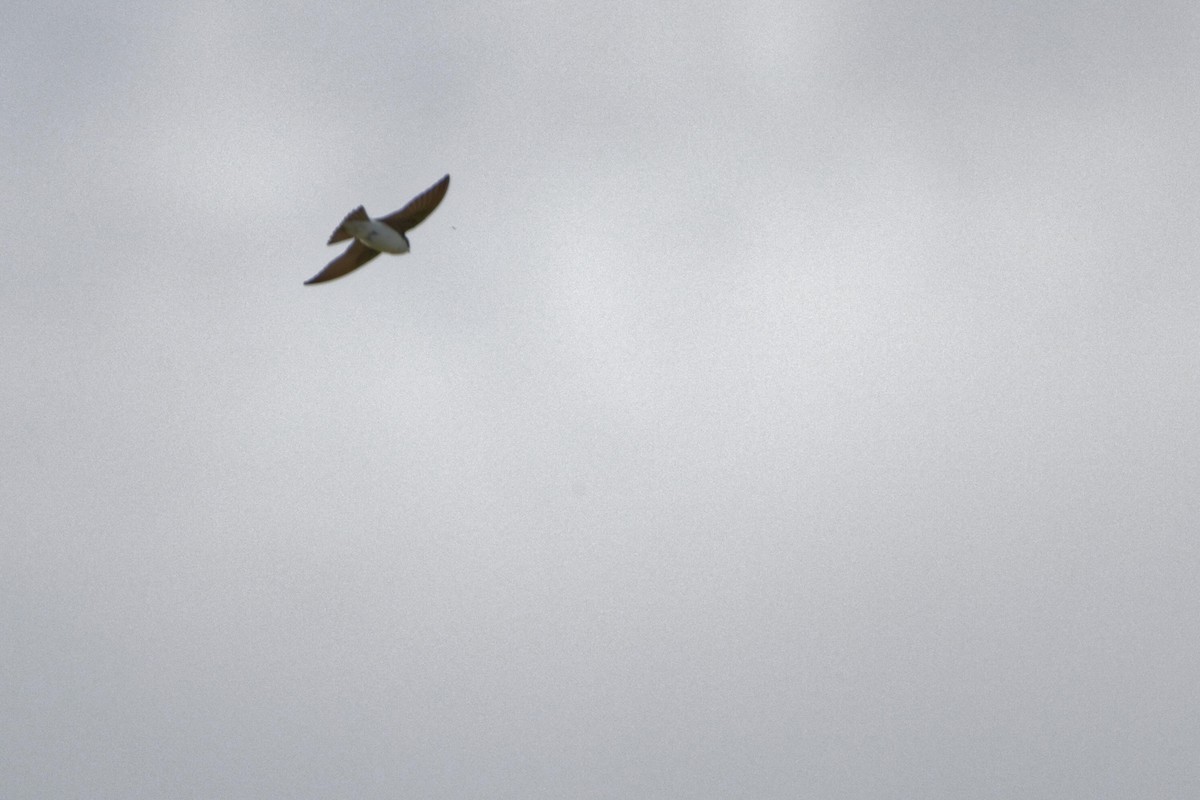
column 382, row 235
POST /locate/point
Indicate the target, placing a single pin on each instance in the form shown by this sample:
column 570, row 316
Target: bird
column 381, row 235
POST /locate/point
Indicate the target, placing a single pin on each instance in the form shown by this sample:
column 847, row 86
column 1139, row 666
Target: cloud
column 784, row 400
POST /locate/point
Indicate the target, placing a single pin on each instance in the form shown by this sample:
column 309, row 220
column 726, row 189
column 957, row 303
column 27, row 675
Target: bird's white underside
column 377, row 235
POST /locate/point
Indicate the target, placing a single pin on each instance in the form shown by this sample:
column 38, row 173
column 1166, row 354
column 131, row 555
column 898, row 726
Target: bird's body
column 374, row 236
column 378, row 235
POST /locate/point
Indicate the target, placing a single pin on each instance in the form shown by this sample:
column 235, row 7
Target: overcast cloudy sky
column 789, row 400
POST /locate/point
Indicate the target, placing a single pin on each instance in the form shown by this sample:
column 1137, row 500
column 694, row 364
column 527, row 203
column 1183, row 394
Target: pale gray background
column 789, row 400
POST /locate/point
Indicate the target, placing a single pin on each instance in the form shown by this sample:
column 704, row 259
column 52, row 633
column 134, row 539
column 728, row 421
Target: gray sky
column 789, row 399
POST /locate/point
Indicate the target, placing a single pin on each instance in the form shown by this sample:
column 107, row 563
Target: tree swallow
column 375, row 236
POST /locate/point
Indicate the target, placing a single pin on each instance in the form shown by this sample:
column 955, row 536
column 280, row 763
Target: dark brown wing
column 418, row 208
column 355, row 256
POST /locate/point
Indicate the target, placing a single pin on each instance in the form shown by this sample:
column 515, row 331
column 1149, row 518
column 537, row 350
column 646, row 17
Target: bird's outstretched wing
column 355, row 256
column 418, row 208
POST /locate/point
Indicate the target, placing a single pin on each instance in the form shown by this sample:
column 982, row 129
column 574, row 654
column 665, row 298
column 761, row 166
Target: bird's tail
column 341, row 235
